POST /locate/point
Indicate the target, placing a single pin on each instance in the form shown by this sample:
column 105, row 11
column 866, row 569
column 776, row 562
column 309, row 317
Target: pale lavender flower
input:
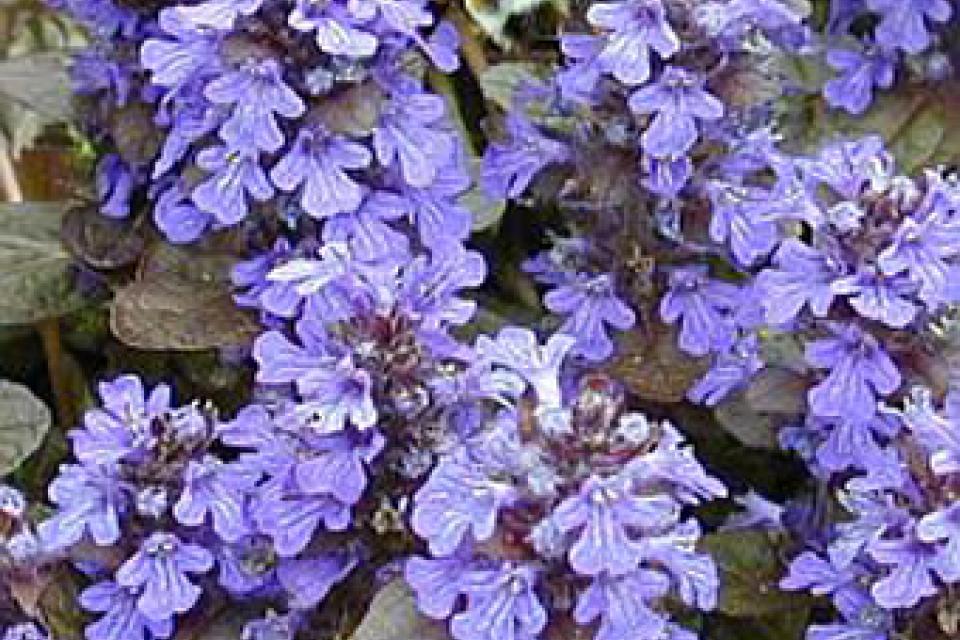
column 88, row 499
column 121, row 619
column 408, row 136
column 319, row 162
column 460, row 499
column 636, row 27
column 590, row 304
column 801, row 276
column 604, row 512
column 257, row 94
column 622, row 605
column 678, row 101
column 509, row 167
column 519, row 349
column 703, row 307
column 161, row 569
column 501, row 604
column 905, row 24
column 234, row 176
column 860, row 73
column 860, row 371
column 218, row 490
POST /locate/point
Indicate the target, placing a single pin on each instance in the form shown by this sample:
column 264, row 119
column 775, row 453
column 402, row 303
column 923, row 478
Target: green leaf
column 750, row 571
column 181, row 301
column 35, row 276
column 776, row 390
column 24, row 421
column 58, row 607
column 101, row 242
column 393, row 615
column 486, row 211
column 751, row 427
column 40, row 82
column 499, row 82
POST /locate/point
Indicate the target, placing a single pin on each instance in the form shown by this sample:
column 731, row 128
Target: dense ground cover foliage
column 382, row 319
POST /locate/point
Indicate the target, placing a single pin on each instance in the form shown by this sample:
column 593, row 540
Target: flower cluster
column 266, row 106
column 172, row 508
column 899, row 547
column 867, row 59
column 22, row 560
column 626, row 120
column 855, row 270
column 560, row 506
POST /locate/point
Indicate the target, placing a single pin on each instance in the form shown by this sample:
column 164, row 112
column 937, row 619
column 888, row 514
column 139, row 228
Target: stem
column 8, row 176
column 49, row 328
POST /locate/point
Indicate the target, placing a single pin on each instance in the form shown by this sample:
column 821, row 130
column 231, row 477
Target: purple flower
column 850, row 443
column 937, row 434
column 291, row 522
column 218, row 489
column 678, row 101
column 177, row 217
column 257, row 93
column 24, row 631
column 431, row 285
column 336, row 465
column 88, row 499
column 912, row 563
column 590, row 304
column 730, row 370
column 337, row 32
column 746, row 218
column 810, row 572
column 501, row 605
column 801, row 276
column 121, row 619
column 459, row 499
column 309, row 579
column 622, row 604
column 879, row 297
column 218, row 14
column 407, row 135
column 160, row 568
column 339, row 393
column 863, row 619
column 703, row 307
column 190, row 55
column 320, row 162
column 860, row 370
column 943, row 526
column 694, row 574
column 904, row 24
column 604, row 512
column 518, row 349
column 437, row 581
column 875, row 515
column 860, row 72
column 921, row 249
column 579, row 78
column 636, row 27
column 123, row 425
column 509, row 167
column 672, row 464
column 115, row 184
column 234, row 176
column 850, row 165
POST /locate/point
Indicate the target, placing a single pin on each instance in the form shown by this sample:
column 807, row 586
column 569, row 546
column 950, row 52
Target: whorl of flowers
column 560, row 505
